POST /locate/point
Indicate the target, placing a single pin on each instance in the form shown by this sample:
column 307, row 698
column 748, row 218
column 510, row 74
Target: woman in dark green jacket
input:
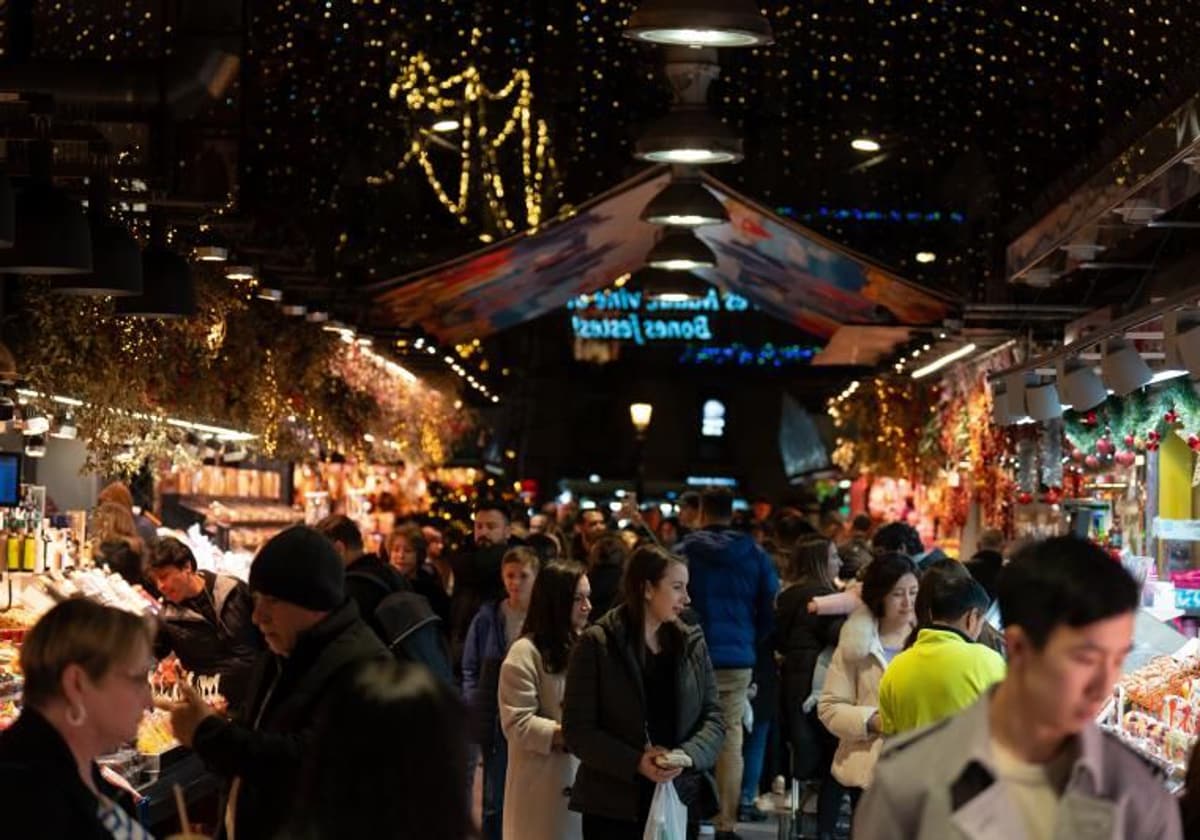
column 641, row 705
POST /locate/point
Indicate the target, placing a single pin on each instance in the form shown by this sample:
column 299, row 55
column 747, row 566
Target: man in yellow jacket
column 944, row 671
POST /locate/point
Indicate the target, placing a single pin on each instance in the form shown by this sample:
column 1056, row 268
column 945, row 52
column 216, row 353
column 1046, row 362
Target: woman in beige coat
column 872, row 635
column 532, row 681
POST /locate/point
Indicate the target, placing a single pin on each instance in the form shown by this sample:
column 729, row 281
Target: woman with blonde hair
column 86, row 670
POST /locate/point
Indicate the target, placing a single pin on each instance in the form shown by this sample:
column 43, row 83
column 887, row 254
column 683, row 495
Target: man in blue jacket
column 733, row 588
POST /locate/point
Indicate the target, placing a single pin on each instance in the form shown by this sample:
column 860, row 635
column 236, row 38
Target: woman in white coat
column 870, row 638
column 532, row 682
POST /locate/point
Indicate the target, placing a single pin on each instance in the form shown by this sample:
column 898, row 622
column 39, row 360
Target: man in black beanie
column 316, row 638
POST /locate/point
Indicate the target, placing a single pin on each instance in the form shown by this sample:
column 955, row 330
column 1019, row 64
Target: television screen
column 10, row 479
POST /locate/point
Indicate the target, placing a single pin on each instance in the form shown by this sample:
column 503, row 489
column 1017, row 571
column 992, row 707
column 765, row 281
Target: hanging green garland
column 1137, row 421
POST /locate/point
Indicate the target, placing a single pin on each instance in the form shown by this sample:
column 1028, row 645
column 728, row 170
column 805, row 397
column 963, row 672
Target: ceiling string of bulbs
column 690, row 136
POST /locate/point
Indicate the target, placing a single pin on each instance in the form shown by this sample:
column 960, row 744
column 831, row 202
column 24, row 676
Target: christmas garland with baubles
column 1120, row 429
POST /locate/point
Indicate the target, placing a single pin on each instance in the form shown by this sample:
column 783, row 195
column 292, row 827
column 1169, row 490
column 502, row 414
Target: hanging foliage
column 881, row 427
column 240, row 364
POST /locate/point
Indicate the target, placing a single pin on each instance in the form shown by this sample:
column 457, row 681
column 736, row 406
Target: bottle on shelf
column 12, row 545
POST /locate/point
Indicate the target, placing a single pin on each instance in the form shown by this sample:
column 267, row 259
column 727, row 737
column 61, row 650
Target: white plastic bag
column 668, row 815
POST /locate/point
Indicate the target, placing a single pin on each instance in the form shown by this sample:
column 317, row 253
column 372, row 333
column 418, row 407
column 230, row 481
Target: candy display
column 154, row 733
column 1163, row 676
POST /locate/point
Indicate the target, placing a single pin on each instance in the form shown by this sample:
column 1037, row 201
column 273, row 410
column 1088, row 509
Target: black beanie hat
column 302, row 567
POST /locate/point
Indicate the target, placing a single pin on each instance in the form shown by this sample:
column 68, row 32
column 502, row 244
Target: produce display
column 1156, row 711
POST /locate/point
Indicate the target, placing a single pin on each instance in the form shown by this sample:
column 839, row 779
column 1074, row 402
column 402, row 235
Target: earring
column 76, row 716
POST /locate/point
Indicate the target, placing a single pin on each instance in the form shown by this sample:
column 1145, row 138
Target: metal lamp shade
column 8, row 213
column 168, row 290
column 1079, row 386
column 1043, row 403
column 51, row 234
column 685, row 204
column 1123, row 369
column 679, row 250
column 708, row 23
column 689, row 136
column 117, row 265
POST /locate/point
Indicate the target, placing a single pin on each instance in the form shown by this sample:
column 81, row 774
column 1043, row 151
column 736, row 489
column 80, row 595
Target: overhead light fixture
column 926, row 257
column 239, row 272
column 689, row 135
column 1000, row 413
column 1181, row 340
column 1078, row 385
column 35, row 446
column 1041, row 277
column 1083, row 251
column 705, row 23
column 167, row 287
column 446, row 126
column 948, row 359
column 365, row 341
column 1166, row 375
column 317, row 316
column 66, row 429
column 294, row 310
column 865, row 144
column 680, row 250
column 38, row 424
column 1043, row 403
column 1138, row 211
column 51, row 233
column 1016, row 387
column 685, row 203
column 1123, row 369
column 211, row 253
column 116, row 255
column 269, row 293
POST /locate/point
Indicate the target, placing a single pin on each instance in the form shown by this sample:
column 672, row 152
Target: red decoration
column 1105, row 446
column 1077, row 455
column 1090, row 419
column 1171, row 417
column 1052, row 496
column 1091, row 462
column 1193, row 443
column 1153, row 436
column 1024, row 498
column 1130, row 441
column 1126, row 459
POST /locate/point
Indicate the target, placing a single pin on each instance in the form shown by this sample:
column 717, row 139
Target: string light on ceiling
column 463, row 102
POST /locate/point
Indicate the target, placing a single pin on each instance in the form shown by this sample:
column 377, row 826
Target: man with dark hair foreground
column 944, row 671
column 1027, row 760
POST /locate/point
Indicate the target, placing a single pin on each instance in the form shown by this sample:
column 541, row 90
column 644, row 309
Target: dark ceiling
column 986, row 111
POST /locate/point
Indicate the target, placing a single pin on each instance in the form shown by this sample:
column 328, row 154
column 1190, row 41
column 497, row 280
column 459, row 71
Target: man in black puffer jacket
column 316, row 638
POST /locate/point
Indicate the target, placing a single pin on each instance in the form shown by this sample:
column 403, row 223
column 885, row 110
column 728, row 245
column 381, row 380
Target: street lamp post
column 640, row 414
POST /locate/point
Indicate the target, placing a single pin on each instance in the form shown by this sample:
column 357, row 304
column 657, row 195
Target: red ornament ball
column 1130, row 441
column 1077, row 455
column 1126, row 459
column 1091, row 462
column 1024, row 498
column 1105, row 446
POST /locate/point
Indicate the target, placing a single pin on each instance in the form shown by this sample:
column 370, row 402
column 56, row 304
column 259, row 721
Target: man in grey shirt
column 1027, row 762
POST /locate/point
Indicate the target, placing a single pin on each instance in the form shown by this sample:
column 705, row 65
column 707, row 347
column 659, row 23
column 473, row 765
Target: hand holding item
column 187, row 716
column 650, row 768
column 874, row 726
column 674, row 759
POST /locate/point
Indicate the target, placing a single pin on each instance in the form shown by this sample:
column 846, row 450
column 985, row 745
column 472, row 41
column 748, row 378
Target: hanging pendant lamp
column 51, row 234
column 702, row 23
column 680, row 250
column 167, row 287
column 116, row 257
column 685, row 203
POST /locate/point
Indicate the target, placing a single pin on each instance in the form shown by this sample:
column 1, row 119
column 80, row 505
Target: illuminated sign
column 629, row 315
column 712, row 420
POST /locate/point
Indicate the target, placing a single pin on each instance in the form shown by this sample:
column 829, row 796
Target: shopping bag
column 668, row 816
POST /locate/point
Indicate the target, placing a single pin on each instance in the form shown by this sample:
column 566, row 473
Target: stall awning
column 784, row 269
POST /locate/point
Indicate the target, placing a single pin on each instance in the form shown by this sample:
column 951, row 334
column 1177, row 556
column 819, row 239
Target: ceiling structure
column 288, row 129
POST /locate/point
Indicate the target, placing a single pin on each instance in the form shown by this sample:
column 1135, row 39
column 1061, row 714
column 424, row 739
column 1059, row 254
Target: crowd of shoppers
column 586, row 674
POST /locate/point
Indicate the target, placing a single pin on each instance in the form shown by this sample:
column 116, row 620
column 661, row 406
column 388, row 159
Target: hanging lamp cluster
column 690, row 135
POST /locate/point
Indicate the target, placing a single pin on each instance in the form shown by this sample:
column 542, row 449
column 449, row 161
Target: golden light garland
column 479, row 148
